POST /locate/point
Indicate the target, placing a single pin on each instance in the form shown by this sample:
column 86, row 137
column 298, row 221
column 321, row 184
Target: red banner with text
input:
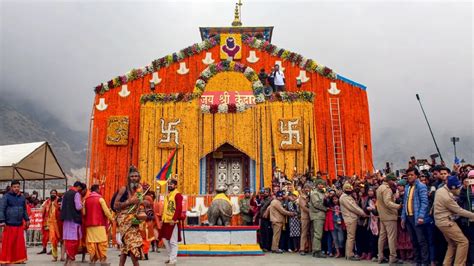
column 227, row 97
column 36, row 219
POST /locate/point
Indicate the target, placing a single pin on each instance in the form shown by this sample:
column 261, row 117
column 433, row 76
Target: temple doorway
column 227, row 166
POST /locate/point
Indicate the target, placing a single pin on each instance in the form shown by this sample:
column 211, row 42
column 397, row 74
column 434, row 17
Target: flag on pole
column 165, row 172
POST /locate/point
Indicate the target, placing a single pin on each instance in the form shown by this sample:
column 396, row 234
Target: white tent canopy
column 28, row 162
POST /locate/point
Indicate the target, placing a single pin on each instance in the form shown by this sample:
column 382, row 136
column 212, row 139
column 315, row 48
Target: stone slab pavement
column 287, row 259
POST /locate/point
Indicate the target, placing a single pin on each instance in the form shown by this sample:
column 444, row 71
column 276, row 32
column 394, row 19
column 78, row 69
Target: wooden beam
column 36, row 172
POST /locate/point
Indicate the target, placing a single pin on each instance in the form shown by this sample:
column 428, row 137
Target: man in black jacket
column 12, row 215
column 266, row 231
column 466, row 199
column 72, row 220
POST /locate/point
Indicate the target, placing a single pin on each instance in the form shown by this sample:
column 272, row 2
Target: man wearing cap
column 245, row 208
column 317, row 214
column 388, row 215
column 172, row 215
column 350, row 213
column 303, row 202
column 278, row 218
column 444, row 208
column 466, row 200
column 72, row 219
column 265, row 224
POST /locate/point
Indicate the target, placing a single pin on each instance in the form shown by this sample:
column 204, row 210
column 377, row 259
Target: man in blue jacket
column 12, row 215
column 415, row 216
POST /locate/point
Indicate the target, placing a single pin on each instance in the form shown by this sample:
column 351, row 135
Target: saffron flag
column 165, row 172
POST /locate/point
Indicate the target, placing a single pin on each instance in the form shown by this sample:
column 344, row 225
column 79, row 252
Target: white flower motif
column 248, row 71
column 241, row 107
column 200, row 83
column 205, row 108
column 260, row 98
column 319, row 68
column 223, row 108
column 257, row 84
column 201, row 45
column 207, row 73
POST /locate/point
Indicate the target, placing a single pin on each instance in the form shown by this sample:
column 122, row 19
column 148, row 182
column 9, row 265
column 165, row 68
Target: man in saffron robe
column 170, row 231
column 96, row 214
column 44, row 226
column 146, row 228
column 72, row 220
column 12, row 215
column 54, row 224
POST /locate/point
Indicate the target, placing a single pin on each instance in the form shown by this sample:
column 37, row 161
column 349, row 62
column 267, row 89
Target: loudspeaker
column 267, row 91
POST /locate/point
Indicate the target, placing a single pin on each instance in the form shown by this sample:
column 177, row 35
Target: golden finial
column 237, row 13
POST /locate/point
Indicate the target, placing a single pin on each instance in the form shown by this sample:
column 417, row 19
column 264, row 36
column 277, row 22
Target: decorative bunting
column 307, row 64
column 155, row 78
column 333, row 90
column 278, row 62
column 303, row 76
column 208, row 59
column 252, row 58
column 124, row 92
column 158, row 64
column 102, row 105
column 183, row 70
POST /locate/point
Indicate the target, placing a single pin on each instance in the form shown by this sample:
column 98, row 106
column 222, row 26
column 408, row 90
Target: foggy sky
column 55, row 52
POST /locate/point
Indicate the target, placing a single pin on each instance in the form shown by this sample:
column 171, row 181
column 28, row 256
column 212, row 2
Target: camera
column 470, row 182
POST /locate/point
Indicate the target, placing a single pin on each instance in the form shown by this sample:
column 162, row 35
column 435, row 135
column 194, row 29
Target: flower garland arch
column 226, row 66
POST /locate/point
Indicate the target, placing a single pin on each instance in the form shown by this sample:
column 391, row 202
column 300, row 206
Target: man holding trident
column 170, row 231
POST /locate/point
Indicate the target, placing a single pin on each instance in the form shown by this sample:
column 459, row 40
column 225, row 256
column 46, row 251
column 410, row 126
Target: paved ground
column 159, row 258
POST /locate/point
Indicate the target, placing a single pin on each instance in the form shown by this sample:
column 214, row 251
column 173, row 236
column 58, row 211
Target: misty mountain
column 24, row 121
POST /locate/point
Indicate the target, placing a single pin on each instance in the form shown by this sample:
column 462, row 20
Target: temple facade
column 227, row 126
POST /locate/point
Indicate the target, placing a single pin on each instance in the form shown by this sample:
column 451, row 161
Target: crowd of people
column 424, row 216
column 80, row 222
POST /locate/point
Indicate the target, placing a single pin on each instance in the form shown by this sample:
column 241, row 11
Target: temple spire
column 237, row 14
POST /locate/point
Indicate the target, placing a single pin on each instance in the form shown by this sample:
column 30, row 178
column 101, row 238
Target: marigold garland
column 223, row 66
column 303, row 96
column 158, row 64
column 166, row 98
column 304, row 63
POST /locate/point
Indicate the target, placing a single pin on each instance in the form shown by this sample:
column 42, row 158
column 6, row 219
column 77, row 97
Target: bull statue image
column 220, row 211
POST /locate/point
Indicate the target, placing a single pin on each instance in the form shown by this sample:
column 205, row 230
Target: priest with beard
column 127, row 203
